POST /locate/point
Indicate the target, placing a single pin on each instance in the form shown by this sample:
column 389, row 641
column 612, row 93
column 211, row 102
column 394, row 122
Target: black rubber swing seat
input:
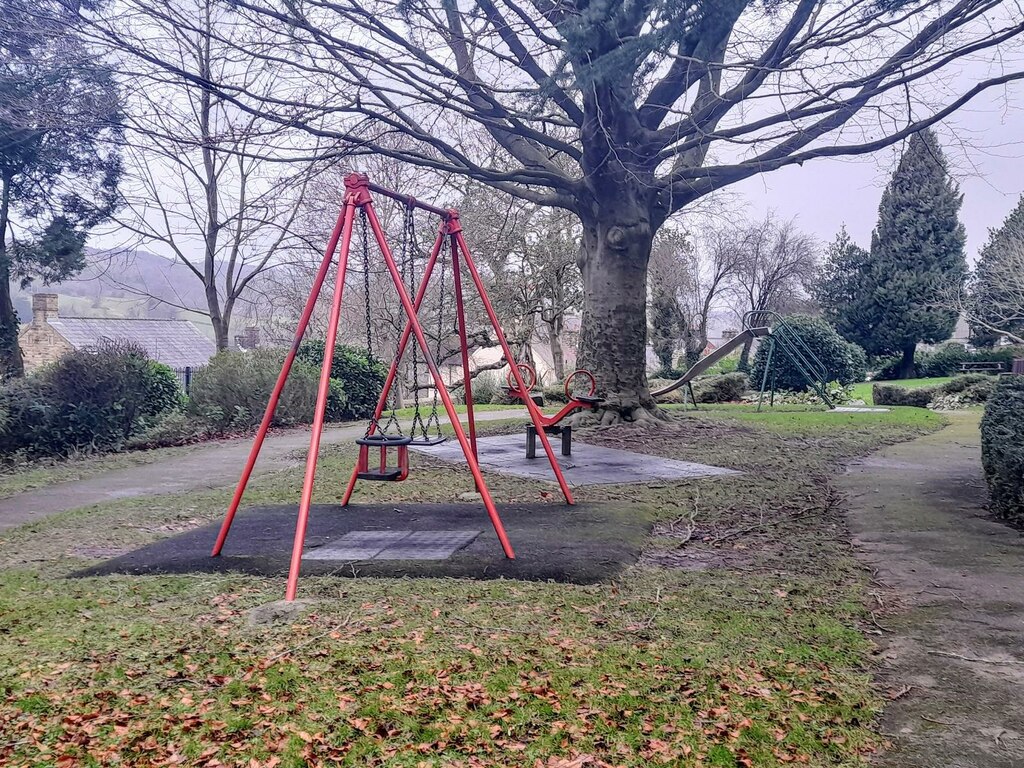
column 429, row 440
column 383, row 441
column 589, row 399
column 380, row 440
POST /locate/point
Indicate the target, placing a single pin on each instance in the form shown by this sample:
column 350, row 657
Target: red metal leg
column 460, row 309
column 268, row 414
column 410, row 311
column 403, row 342
column 348, row 216
column 535, row 414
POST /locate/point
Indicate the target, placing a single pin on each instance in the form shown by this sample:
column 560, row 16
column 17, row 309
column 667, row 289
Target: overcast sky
column 984, row 144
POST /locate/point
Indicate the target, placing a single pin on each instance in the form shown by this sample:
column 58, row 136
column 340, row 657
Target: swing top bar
column 360, row 181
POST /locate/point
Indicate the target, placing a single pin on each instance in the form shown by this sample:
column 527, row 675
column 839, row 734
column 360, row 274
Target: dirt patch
column 948, row 604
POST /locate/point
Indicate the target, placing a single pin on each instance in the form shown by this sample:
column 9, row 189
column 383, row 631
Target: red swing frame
column 358, row 189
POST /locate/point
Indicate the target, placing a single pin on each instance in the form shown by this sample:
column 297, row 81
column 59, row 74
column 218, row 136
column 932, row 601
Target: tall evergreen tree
column 667, row 325
column 59, row 166
column 838, row 288
column 995, row 300
column 917, row 256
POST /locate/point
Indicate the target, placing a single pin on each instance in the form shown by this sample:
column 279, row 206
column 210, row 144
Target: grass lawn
column 862, row 391
column 735, row 641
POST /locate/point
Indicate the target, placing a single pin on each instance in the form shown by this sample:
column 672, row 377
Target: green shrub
column 554, row 394
column 356, row 380
column 173, row 428
column 844, row 362
column 959, row 392
column 948, row 360
column 1002, row 448
column 232, row 391
column 891, row 394
column 485, row 386
column 725, row 365
column 723, row 388
column 667, row 373
column 676, row 396
column 90, row 399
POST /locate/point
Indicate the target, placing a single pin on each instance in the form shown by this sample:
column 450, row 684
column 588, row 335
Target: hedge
column 1002, row 449
column 232, row 391
column 961, row 391
column 947, row 361
column 89, row 400
column 358, row 380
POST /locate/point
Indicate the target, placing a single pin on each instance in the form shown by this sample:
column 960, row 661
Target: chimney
column 44, row 307
column 249, row 339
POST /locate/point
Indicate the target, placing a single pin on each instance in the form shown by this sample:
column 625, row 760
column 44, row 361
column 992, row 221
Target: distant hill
column 125, row 284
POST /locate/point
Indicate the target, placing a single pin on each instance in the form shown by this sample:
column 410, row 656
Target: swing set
column 383, row 450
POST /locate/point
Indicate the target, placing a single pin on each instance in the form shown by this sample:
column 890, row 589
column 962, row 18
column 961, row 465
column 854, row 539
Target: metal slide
column 748, row 334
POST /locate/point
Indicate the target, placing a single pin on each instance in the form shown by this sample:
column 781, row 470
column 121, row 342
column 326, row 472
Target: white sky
column 984, row 144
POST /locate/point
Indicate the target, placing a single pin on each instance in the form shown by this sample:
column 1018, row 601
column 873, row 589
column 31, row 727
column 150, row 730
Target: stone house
column 175, row 343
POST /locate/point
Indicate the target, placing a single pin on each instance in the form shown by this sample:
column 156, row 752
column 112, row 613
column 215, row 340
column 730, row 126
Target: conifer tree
column 917, row 256
column 838, row 289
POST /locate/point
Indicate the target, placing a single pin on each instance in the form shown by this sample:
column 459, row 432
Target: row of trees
column 913, row 283
column 623, row 114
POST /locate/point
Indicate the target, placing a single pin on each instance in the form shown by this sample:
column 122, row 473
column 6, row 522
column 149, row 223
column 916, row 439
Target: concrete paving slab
column 428, row 545
column 356, row 545
column 588, row 465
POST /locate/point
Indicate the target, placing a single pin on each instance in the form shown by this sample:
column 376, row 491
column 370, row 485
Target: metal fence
column 185, row 377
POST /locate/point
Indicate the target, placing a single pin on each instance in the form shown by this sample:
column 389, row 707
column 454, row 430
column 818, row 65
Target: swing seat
column 429, row 440
column 590, row 400
column 382, row 471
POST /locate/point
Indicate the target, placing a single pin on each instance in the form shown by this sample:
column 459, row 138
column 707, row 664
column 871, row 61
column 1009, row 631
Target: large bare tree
column 622, row 112
column 198, row 185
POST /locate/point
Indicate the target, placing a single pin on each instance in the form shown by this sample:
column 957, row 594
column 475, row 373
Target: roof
column 177, row 343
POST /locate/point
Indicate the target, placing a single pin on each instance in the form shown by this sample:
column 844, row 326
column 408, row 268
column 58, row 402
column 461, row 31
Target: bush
column 947, row 361
column 90, row 399
column 844, row 362
column 668, row 373
column 356, row 380
column 232, row 391
column 959, row 392
column 173, row 428
column 723, row 388
column 1002, row 448
column 891, row 394
column 486, row 385
column 676, row 396
column 555, row 394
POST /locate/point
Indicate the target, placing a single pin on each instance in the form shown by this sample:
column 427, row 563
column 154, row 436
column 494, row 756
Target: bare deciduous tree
column 196, row 185
column 775, row 261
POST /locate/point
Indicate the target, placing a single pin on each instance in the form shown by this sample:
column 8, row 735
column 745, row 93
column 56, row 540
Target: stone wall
column 41, row 344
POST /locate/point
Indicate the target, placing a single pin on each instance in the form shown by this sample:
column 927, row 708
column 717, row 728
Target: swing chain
column 410, row 252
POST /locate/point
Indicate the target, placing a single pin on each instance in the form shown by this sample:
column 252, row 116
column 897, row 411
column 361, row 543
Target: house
column 175, row 343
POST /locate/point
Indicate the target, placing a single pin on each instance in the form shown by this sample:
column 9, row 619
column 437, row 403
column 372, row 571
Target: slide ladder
column 780, row 336
column 786, row 341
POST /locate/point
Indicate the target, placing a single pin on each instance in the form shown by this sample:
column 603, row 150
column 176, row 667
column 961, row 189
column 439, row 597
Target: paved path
column 209, row 465
column 951, row 584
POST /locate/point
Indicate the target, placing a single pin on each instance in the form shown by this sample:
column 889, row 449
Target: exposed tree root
column 622, row 413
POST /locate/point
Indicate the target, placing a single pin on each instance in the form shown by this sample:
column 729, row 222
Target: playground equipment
column 773, row 330
column 378, row 439
column 552, row 425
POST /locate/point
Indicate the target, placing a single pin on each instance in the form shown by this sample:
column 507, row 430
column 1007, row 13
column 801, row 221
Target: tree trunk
column 555, row 341
column 11, row 363
column 907, row 364
column 613, row 339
